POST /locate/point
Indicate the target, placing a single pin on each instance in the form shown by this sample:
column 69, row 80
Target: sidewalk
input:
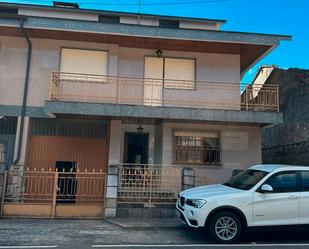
column 146, row 223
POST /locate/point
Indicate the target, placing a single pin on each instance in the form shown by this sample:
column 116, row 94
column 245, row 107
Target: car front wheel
column 225, row 227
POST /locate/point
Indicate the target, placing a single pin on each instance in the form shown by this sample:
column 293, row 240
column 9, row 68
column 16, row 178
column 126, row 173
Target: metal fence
column 260, row 98
column 53, row 188
column 162, row 92
column 156, row 184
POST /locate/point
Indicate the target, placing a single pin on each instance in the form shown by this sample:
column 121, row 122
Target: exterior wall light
column 140, row 129
column 159, row 52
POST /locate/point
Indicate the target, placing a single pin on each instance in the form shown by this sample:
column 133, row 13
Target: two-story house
column 115, row 108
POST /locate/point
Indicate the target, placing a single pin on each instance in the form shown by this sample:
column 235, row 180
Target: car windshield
column 246, row 179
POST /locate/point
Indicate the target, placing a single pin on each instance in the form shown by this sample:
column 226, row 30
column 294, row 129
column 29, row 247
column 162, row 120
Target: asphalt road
column 71, row 234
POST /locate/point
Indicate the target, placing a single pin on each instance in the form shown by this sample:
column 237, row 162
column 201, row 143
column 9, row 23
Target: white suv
column 263, row 195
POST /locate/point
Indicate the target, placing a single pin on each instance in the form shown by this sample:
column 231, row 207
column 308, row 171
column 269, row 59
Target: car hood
column 209, row 191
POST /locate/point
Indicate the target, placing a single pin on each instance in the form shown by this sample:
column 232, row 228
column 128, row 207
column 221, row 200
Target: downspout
column 25, row 94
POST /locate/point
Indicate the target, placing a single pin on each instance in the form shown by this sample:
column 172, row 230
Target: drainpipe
column 25, row 94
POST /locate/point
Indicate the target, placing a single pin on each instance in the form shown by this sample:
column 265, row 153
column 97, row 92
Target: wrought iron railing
column 47, row 187
column 156, row 184
column 159, row 92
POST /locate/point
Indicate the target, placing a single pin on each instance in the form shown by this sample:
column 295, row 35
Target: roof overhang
column 250, row 46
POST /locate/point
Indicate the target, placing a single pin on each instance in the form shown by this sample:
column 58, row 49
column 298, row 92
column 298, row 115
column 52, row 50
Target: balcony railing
column 158, row 92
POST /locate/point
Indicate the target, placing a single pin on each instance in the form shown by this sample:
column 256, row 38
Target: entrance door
column 67, row 184
column 153, row 85
column 136, row 148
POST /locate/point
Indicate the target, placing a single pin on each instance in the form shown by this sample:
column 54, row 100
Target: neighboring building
column 288, row 142
column 149, row 104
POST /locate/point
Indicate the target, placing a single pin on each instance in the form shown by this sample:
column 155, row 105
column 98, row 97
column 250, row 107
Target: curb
column 145, row 226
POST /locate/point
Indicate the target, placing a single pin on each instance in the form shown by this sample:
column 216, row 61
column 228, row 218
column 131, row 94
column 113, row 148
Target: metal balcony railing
column 159, row 92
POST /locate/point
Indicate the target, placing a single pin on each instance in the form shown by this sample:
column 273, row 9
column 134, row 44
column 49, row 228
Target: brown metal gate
column 50, row 194
column 65, row 176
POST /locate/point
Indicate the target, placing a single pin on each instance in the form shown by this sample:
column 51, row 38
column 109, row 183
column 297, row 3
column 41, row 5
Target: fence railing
column 159, row 92
column 156, row 184
column 53, row 187
column 260, row 98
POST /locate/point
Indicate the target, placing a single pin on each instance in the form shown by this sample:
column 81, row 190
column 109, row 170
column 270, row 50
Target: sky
column 285, row 17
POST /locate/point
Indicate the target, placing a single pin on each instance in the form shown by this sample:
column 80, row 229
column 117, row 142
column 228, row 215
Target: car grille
column 182, row 200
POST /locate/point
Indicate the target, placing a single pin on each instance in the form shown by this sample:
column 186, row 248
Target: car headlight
column 197, row 203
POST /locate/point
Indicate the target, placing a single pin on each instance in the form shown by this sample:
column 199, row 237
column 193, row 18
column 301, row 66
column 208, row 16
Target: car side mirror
column 266, row 188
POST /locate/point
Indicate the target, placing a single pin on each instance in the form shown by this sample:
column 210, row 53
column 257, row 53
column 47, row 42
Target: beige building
column 123, row 111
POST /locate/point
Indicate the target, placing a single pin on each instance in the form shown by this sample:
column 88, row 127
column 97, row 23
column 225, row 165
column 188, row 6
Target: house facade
column 122, row 108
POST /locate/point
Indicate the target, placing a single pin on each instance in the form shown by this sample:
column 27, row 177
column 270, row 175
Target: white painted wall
column 185, row 24
column 58, row 14
column 261, row 78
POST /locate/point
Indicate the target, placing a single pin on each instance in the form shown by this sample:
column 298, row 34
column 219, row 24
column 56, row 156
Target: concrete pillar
column 114, row 142
column 112, row 176
column 111, row 191
column 21, row 163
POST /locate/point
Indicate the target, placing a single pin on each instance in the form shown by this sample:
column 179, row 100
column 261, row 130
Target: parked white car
column 263, row 195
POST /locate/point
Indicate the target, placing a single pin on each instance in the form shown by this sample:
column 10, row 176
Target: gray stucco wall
column 240, row 147
column 121, row 62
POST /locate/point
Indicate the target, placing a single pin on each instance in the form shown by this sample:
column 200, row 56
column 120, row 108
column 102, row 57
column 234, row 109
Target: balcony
column 87, row 88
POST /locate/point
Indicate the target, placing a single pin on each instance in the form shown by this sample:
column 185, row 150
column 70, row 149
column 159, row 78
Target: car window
column 283, row 182
column 305, row 180
column 246, row 179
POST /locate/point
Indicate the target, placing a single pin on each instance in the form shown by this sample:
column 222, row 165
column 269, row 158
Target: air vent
column 109, row 19
column 66, row 5
column 169, row 24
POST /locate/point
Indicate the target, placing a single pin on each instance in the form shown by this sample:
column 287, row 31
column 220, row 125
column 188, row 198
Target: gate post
column 53, row 208
column 3, row 192
column 111, row 191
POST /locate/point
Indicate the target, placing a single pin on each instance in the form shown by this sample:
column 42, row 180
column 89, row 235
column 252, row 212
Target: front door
column 67, row 184
column 136, row 148
column 280, row 207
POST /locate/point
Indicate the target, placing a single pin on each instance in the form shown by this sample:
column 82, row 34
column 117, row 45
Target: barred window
column 197, row 148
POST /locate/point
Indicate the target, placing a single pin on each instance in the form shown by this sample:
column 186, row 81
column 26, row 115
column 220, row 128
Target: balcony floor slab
column 158, row 112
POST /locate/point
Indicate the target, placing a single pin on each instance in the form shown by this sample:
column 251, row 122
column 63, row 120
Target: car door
column 304, row 198
column 281, row 206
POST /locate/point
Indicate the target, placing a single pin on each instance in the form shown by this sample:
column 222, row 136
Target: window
column 169, row 24
column 8, row 11
column 305, row 180
column 176, row 73
column 109, row 19
column 246, row 179
column 179, row 73
column 283, row 182
column 84, row 61
column 84, row 65
column 197, row 147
